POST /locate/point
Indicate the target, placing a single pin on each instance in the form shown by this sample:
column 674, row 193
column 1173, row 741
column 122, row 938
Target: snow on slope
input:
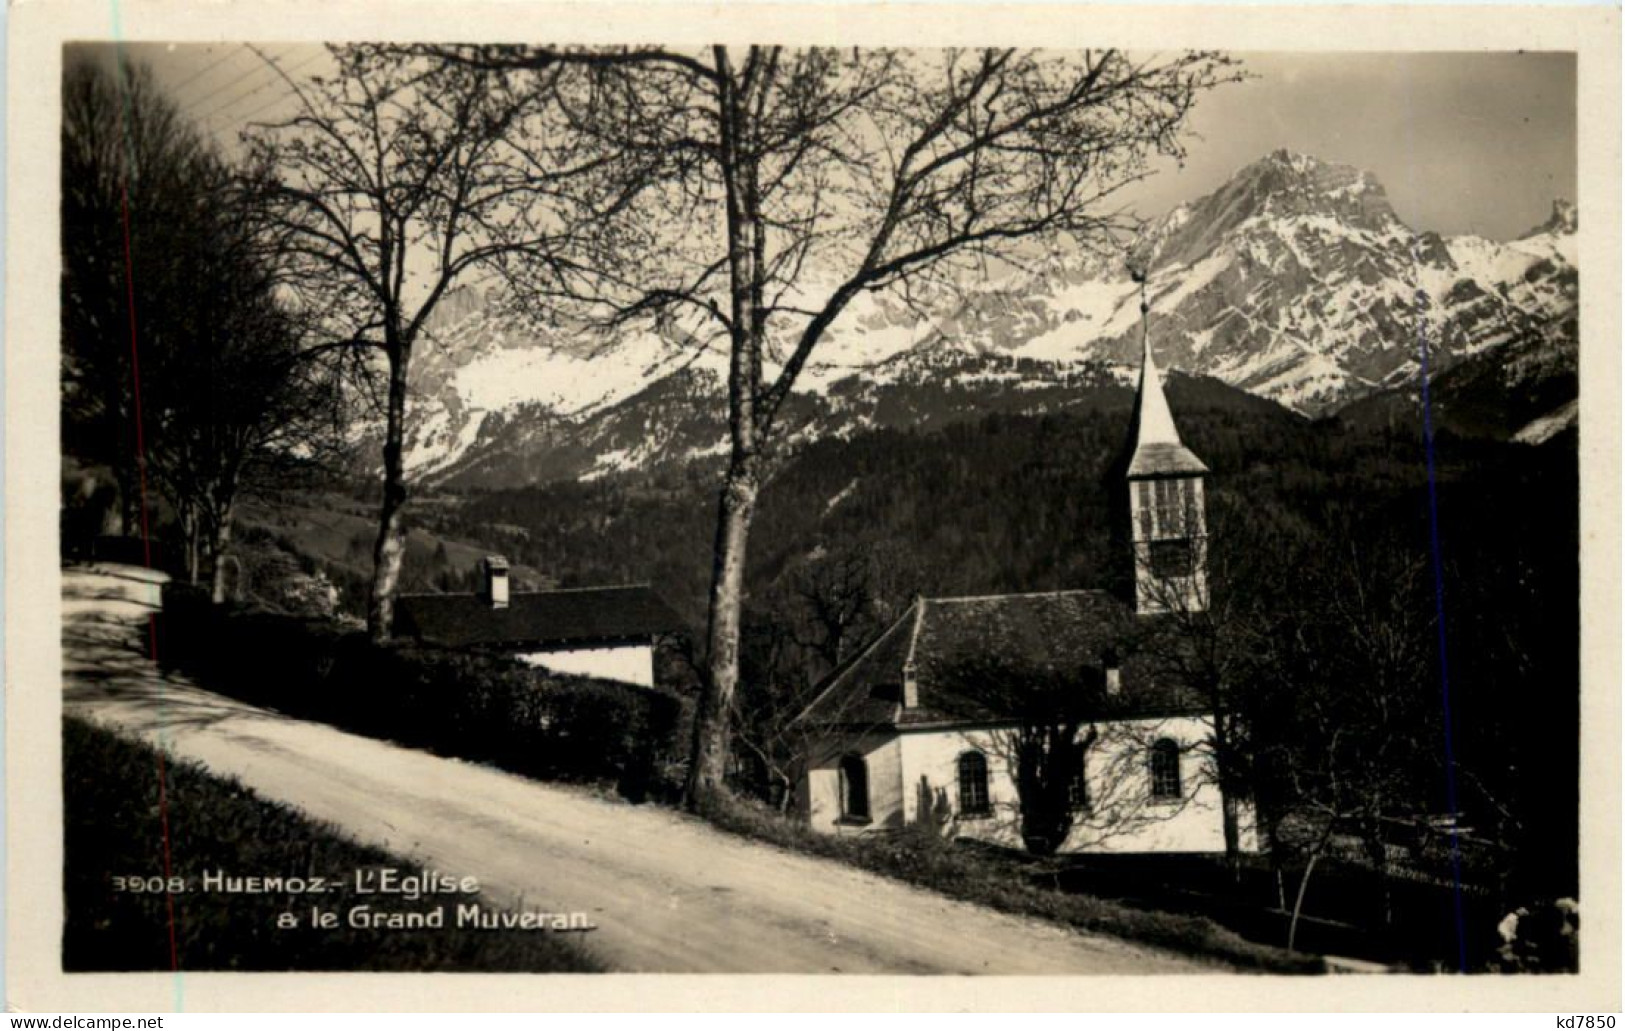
column 1295, row 281
column 1540, row 430
column 571, row 384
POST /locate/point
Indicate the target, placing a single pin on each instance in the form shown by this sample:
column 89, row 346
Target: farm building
column 604, row 632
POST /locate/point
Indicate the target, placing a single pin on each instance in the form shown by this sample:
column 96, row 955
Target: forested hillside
column 1001, row 503
column 1324, row 524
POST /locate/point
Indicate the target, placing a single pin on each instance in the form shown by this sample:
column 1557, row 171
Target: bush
column 485, row 707
column 1541, row 938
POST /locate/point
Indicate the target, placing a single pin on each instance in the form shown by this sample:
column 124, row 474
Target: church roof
column 540, row 618
column 1158, row 450
column 970, row 654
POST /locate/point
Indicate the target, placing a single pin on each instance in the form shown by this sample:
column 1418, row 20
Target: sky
column 1463, row 143
column 1476, row 143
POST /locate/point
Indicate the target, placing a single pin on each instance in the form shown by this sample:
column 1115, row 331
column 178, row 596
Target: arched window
column 854, row 788
column 973, row 800
column 1165, row 769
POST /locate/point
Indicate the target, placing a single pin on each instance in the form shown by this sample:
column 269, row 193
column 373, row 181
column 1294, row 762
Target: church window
column 973, row 797
column 854, row 788
column 1165, row 781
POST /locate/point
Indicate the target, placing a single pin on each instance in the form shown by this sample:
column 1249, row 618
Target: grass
column 1343, row 909
column 331, row 528
column 986, row 878
column 112, row 830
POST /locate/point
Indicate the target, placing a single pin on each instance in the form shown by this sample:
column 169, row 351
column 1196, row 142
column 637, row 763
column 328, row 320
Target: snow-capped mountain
column 1294, row 281
column 1297, row 281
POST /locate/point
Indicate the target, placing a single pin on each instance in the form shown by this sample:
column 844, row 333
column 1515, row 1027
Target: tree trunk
column 127, row 476
column 222, row 537
column 1227, row 789
column 1303, row 882
column 1376, row 850
column 1297, row 906
column 1268, row 838
column 1232, row 836
column 709, row 766
column 390, row 548
column 191, row 532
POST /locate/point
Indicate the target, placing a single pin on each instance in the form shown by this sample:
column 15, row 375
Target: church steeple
column 1168, row 525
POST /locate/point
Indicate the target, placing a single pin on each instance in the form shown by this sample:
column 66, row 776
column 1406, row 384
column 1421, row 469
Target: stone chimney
column 496, row 580
column 911, row 673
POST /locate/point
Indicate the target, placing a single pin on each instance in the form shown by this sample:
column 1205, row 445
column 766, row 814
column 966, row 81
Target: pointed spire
column 1156, row 425
column 1157, row 447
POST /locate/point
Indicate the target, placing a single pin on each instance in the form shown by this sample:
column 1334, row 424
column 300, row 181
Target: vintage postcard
column 533, row 507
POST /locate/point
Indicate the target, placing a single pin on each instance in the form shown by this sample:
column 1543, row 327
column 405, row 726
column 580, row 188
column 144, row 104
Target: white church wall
column 630, row 664
column 1123, row 817
column 821, row 785
column 1126, row 817
column 931, row 771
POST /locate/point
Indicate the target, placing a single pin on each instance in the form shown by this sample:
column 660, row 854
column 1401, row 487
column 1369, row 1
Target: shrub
column 1540, row 938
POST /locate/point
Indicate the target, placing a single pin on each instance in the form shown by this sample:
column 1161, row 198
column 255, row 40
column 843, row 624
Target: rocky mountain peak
column 1563, row 221
column 1280, row 186
column 1294, row 281
column 458, row 304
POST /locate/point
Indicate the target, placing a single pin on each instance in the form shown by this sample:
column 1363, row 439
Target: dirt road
column 667, row 892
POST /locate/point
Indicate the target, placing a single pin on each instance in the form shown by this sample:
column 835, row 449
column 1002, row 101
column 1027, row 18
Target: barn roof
column 580, row 616
column 961, row 647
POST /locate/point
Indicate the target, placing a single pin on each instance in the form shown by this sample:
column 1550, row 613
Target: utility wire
column 280, row 98
column 208, row 97
column 212, row 94
column 195, row 76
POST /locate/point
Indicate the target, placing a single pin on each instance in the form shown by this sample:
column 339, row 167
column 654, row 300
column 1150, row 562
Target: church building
column 928, row 723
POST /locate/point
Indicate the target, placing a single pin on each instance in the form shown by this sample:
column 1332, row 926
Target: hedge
column 481, row 706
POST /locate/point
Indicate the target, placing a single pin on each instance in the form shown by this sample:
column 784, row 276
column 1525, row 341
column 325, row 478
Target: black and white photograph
column 639, row 507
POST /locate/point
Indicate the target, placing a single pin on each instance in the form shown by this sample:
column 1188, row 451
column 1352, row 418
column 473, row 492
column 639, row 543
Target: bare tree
column 129, row 163
column 394, row 182
column 241, row 404
column 1046, row 751
column 1348, row 733
column 836, row 594
column 187, row 297
column 783, row 184
column 829, row 603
